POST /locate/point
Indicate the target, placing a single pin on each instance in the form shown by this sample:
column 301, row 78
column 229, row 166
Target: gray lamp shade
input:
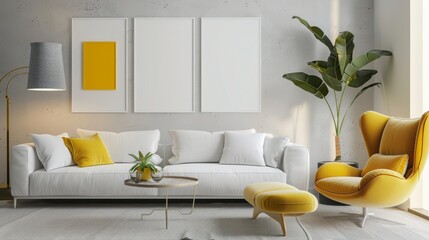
column 46, row 71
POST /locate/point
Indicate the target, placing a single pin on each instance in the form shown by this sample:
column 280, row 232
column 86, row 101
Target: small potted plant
column 143, row 165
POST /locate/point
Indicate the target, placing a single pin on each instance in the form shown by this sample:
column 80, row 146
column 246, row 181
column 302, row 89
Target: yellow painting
column 99, row 65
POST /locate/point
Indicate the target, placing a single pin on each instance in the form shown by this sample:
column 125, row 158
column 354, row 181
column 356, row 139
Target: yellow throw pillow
column 88, row 151
column 67, row 142
column 397, row 163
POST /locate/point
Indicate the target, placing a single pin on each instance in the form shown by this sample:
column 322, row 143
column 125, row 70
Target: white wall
column 425, row 174
column 393, row 98
column 398, row 28
column 286, row 47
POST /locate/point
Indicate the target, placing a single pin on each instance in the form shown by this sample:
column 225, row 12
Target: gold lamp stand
column 10, row 75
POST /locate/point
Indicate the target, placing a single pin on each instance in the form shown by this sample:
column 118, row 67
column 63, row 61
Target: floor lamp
column 45, row 73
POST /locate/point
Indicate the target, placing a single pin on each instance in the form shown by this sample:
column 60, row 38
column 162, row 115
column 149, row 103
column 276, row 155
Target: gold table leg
column 176, row 209
column 166, row 209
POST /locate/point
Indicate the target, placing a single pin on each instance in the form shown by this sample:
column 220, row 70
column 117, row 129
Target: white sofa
column 29, row 180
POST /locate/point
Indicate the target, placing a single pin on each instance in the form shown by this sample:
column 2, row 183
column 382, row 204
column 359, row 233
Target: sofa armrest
column 296, row 165
column 23, row 162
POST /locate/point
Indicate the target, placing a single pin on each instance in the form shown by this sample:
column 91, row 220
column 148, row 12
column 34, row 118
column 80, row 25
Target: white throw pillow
column 274, row 149
column 51, row 151
column 197, row 146
column 243, row 149
column 121, row 144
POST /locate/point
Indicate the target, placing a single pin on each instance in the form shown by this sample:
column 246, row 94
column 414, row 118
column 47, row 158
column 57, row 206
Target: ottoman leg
column 256, row 213
column 276, row 216
column 281, row 220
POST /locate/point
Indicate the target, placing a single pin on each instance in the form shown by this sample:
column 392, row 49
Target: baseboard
column 420, row 212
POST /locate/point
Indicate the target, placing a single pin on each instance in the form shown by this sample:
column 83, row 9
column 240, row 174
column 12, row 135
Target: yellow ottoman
column 278, row 200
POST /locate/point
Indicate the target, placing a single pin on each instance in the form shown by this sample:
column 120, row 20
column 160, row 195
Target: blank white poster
column 164, row 64
column 99, row 30
column 230, row 64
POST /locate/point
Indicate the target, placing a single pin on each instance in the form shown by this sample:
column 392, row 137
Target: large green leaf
column 333, row 83
column 309, row 83
column 361, row 61
column 321, row 67
column 363, row 90
column 344, row 46
column 318, row 33
column 334, row 66
column 361, row 77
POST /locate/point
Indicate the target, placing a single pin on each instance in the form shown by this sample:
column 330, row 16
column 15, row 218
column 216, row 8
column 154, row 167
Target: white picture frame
column 100, row 30
column 231, row 64
column 164, row 72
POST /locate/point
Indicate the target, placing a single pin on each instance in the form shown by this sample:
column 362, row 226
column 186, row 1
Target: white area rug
column 121, row 220
column 56, row 220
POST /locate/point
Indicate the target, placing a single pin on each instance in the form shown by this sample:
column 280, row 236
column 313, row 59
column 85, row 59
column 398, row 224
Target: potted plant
column 143, row 165
column 339, row 73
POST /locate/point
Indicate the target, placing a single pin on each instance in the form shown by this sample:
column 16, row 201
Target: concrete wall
column 286, row 47
column 398, row 28
column 396, row 38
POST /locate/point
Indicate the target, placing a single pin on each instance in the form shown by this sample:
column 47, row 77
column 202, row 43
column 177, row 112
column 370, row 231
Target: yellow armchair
column 379, row 188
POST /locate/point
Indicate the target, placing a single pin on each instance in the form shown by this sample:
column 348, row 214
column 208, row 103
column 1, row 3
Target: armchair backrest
column 390, row 136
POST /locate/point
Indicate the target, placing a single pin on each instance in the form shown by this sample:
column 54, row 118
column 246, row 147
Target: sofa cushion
column 243, row 149
column 222, row 180
column 51, row 151
column 197, row 146
column 105, row 180
column 121, row 144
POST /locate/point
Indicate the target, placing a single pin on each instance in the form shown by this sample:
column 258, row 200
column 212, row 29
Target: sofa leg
column 15, row 202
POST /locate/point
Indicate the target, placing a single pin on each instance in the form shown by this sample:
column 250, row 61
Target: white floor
column 121, row 220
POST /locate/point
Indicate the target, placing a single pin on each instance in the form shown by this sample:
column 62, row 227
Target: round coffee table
column 167, row 182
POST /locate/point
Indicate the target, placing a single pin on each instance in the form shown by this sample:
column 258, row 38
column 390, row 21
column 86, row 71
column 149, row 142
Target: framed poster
column 230, row 64
column 99, row 65
column 164, row 64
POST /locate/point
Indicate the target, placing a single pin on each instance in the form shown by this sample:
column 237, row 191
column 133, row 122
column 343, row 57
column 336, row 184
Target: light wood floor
column 328, row 223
